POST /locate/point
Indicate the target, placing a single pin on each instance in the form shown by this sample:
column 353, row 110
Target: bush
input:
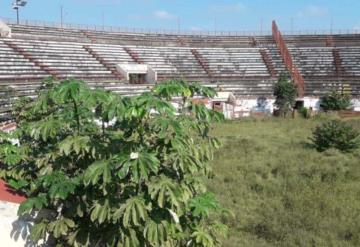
column 335, row 101
column 99, row 169
column 335, row 134
column 285, row 93
column 304, row 112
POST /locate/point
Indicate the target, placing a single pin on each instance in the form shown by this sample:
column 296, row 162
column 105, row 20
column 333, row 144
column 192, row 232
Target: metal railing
column 89, row 27
column 289, row 64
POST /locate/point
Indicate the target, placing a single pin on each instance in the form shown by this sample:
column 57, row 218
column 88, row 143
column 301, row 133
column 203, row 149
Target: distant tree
column 335, row 101
column 104, row 170
column 285, row 92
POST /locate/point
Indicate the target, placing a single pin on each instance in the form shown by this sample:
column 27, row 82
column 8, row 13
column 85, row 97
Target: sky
column 196, row 15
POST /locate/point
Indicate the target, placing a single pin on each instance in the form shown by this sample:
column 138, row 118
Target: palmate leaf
column 143, row 166
column 200, row 237
column 98, row 170
column 171, row 89
column 129, row 239
column 11, row 154
column 46, row 129
column 156, row 233
column 149, row 103
column 133, row 212
column 113, row 107
column 69, row 90
column 138, row 164
column 200, row 90
column 32, row 203
column 164, row 190
column 77, row 144
column 166, row 127
column 181, row 88
column 18, row 184
column 100, row 211
column 79, row 238
column 38, row 231
column 202, row 205
column 61, row 226
column 58, row 185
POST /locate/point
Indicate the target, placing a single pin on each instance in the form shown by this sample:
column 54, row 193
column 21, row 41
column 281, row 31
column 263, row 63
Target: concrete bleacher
column 314, row 61
column 235, row 62
column 65, row 59
column 350, row 57
column 13, row 66
column 227, row 62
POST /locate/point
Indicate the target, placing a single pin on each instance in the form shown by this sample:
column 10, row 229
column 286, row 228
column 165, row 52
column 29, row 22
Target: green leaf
column 19, row 184
column 58, row 185
column 203, row 204
column 156, row 233
column 101, row 211
column 132, row 212
column 77, row 144
column 129, row 239
column 38, row 231
column 46, row 129
column 164, row 190
column 61, row 226
column 142, row 165
column 202, row 238
column 96, row 171
column 32, row 203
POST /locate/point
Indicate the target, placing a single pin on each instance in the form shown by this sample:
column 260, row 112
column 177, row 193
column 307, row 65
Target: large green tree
column 99, row 169
column 285, row 93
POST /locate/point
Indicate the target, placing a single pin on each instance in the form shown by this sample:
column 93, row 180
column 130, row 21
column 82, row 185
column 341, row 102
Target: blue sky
column 197, row 14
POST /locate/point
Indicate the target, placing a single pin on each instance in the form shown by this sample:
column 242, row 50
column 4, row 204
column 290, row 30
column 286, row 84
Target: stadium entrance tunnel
column 137, row 73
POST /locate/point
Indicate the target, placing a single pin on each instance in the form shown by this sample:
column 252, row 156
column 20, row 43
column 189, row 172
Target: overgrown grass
column 281, row 190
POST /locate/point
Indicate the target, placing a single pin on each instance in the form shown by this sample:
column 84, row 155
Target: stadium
column 114, row 136
column 129, row 63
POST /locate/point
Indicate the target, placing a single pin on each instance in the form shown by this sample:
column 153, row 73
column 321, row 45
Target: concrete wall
column 12, row 231
column 244, row 107
column 5, row 30
column 356, row 104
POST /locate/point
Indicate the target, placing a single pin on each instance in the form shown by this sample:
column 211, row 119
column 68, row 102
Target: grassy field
column 281, row 190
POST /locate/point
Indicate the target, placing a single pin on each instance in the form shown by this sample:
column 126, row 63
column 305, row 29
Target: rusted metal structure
column 288, row 61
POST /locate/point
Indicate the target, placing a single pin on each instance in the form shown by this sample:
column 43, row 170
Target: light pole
column 16, row 5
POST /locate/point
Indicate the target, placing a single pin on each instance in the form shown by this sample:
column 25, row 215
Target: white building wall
column 12, row 231
column 312, row 102
column 356, row 104
column 244, row 107
column 5, row 30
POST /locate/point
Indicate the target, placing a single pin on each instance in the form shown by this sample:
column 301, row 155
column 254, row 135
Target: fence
column 170, row 31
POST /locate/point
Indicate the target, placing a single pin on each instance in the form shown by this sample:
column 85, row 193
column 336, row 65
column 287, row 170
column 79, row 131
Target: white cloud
column 227, row 8
column 162, row 14
column 312, row 11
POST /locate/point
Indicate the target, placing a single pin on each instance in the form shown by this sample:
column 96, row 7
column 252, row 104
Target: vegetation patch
column 102, row 170
column 282, row 191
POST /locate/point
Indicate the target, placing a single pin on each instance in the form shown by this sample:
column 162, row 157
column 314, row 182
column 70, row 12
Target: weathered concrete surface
column 12, row 231
column 5, row 30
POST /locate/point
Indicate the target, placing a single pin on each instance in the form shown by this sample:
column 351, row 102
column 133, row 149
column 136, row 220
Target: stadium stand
column 245, row 65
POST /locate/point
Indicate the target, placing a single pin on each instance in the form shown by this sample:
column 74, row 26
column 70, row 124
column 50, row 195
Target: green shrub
column 99, row 169
column 304, row 112
column 335, row 101
column 285, row 93
column 335, row 134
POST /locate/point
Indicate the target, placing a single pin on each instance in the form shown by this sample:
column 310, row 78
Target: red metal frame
column 289, row 64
